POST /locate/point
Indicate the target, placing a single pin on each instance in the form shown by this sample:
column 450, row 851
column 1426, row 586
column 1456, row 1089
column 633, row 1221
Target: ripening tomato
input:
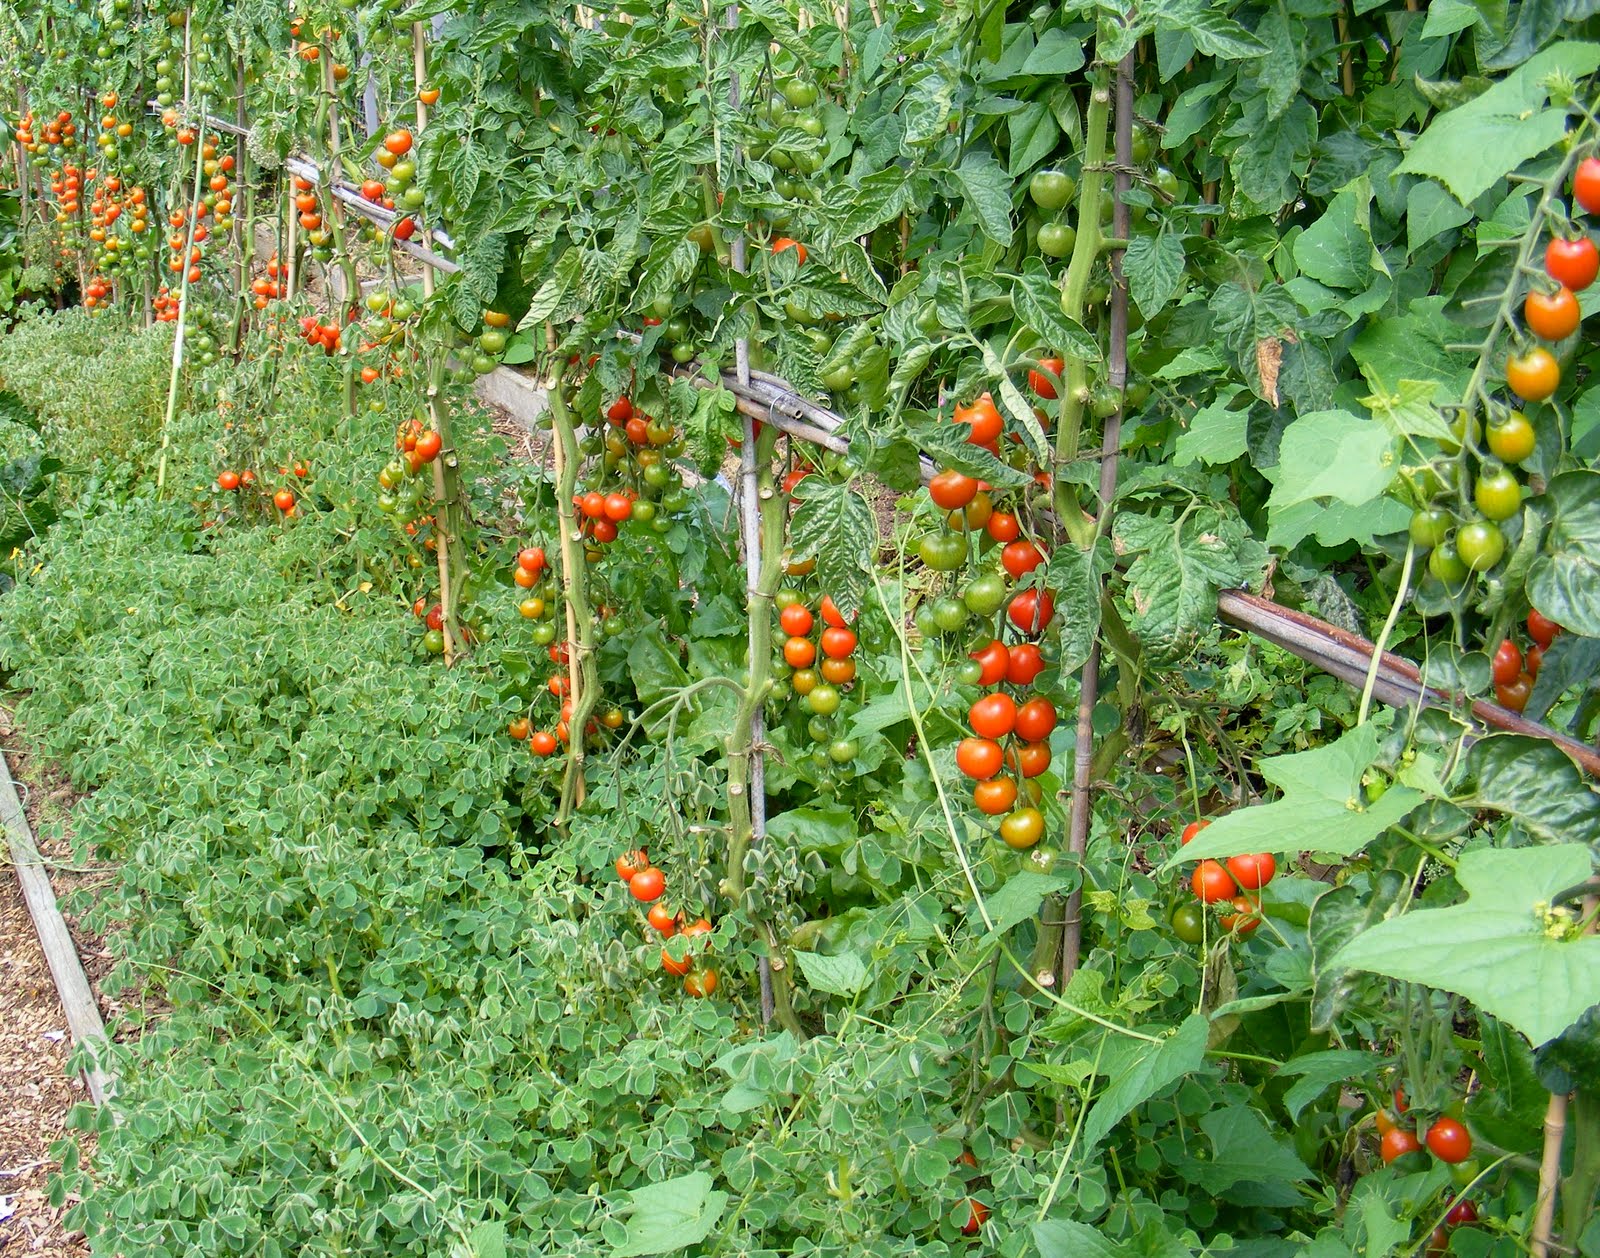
column 1035, row 719
column 1511, row 437
column 1020, row 557
column 1253, row 871
column 784, row 242
column 701, row 983
column 1534, row 660
column 983, row 417
column 1244, row 919
column 799, row 652
column 1534, row 374
column 284, row 500
column 995, row 796
column 994, row 659
column 796, row 620
column 1507, row 663
column 532, row 559
column 398, row 142
column 1396, row 1143
column 977, row 1213
column 838, row 672
column 662, row 919
column 952, row 490
column 978, row 758
column 518, row 729
column 1497, row 493
column 228, row 480
column 1574, row 263
column 1553, row 316
column 647, row 885
column 1025, row 661
column 993, row 716
column 1586, row 184
column 1211, row 882
column 1541, row 628
column 1023, row 828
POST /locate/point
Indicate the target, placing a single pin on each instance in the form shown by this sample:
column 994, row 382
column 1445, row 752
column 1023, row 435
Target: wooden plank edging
column 72, row 984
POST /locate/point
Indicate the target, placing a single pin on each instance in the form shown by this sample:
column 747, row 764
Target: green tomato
column 433, row 642
column 949, row 614
column 1480, row 545
column 843, row 750
column 1188, row 923
column 823, row 700
column 839, row 378
column 969, row 672
column 1041, row 859
column 820, row 729
column 1057, row 239
column 927, row 627
column 1446, row 565
column 492, row 341
column 984, row 595
column 1497, row 494
column 683, row 352
column 1430, row 527
column 800, row 94
column 943, row 551
column 1511, row 437
column 1051, row 189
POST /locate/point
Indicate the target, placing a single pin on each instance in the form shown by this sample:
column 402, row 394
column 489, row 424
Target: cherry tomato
column 942, row 551
column 1511, row 437
column 631, row 863
column 1025, row 662
column 1541, row 628
column 995, row 796
column 1254, row 871
column 647, row 885
column 1497, row 494
column 1514, row 694
column 1032, row 759
column 1397, row 1142
column 978, row 757
column 994, row 659
column 1244, row 919
column 1449, row 1141
column 983, row 417
column 952, row 490
column 1586, row 184
column 837, row 644
column 1023, row 828
column 1445, row 564
column 831, row 615
column 1574, row 263
column 1534, row 661
column 1430, row 527
column 701, row 983
column 1464, row 1212
column 993, row 716
column 1507, row 663
column 1192, row 829
column 1040, row 382
column 1211, row 882
column 1035, row 719
column 977, row 1212
column 1480, row 545
column 662, row 919
column 1020, row 557
column 1553, row 316
column 1188, row 922
column 543, row 743
column 1534, row 374
column 1031, row 610
column 1003, row 527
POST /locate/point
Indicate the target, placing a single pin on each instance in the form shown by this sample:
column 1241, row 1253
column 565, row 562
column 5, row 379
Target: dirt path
column 37, row 1090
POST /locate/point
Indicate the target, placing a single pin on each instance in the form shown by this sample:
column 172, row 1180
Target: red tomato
column 837, row 644
column 1252, row 872
column 978, row 758
column 1553, row 316
column 543, row 743
column 228, row 480
column 647, row 885
column 993, row 716
column 631, row 863
column 1020, row 558
column 783, row 242
column 1507, row 663
column 799, row 652
column 831, row 615
column 977, row 1212
column 1025, row 662
column 1397, row 1143
column 994, row 659
column 531, row 558
column 1033, row 759
column 1211, row 882
column 1042, row 384
column 1035, row 719
column 662, row 919
column 952, row 490
column 1541, row 628
column 620, row 411
column 983, row 417
column 1192, row 829
column 1031, row 610
column 284, row 500
column 1449, row 1141
column 796, row 620
column 1586, row 184
column 995, row 796
column 618, row 507
column 428, row 445
column 1003, row 527
column 1574, row 263
column 1244, row 919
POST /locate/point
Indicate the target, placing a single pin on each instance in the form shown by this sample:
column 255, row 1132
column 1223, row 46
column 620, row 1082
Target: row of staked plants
column 694, row 840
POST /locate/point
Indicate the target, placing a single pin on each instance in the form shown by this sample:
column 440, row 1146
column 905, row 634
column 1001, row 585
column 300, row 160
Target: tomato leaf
column 1154, row 267
column 1038, row 302
column 1473, row 146
column 1317, row 1072
column 834, row 525
column 1537, row 783
column 1321, row 807
column 1019, row 900
column 1074, row 576
column 1328, row 454
column 1140, row 1070
column 842, row 975
column 1564, row 582
column 670, row 1215
column 1496, row 949
column 987, row 190
column 1218, row 432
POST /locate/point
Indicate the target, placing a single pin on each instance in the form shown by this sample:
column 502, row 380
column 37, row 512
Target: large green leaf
column 987, row 189
column 1138, row 1071
column 1497, row 950
column 1474, row 146
column 670, row 1215
column 1338, row 916
column 834, row 525
column 1329, row 455
column 1322, row 809
column 1538, row 784
column 1564, row 581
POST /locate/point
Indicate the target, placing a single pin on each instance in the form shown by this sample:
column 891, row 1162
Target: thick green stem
column 740, row 744
column 1578, row 1192
column 574, row 579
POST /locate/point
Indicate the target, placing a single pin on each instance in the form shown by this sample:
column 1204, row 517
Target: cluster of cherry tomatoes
column 1448, row 1139
column 1232, row 884
column 1514, row 670
column 635, row 469
column 1009, row 746
column 818, row 670
column 269, row 285
column 401, row 486
column 647, row 885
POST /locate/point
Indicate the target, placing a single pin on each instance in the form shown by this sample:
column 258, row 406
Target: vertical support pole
column 1110, row 446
